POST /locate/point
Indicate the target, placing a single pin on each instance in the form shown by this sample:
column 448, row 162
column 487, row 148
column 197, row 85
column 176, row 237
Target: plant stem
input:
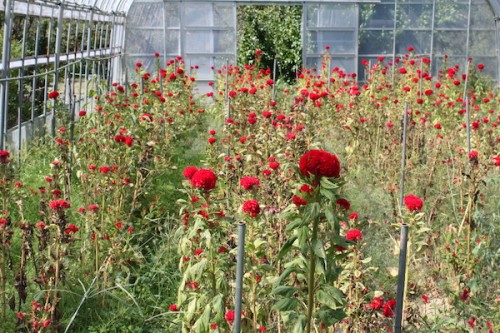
column 310, row 280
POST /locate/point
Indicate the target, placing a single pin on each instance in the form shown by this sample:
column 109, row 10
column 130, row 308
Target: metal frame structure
column 396, row 24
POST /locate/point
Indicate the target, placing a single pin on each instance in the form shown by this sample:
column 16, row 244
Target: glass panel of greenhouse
column 68, row 45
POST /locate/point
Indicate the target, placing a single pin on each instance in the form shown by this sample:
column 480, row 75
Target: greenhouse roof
column 123, row 6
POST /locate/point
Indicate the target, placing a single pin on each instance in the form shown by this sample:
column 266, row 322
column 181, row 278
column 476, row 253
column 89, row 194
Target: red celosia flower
column 212, row 132
column 262, row 328
column 59, row 204
column 473, row 155
column 464, row 296
column 353, row 216
column 119, row 225
column 274, row 165
column 472, row 322
column 388, row 310
column 38, row 225
column 377, row 303
column 53, row 94
column 249, row 183
column 480, row 67
column 306, row 188
column 496, row 160
column 173, row 308
column 129, row 141
column 353, row 235
column 343, row 203
column 212, row 140
column 71, row 229
column 4, row 156
column 413, row 203
column 189, row 171
column 104, row 169
column 298, row 201
column 213, row 326
column 205, row 179
column 93, row 208
column 251, row 207
column 319, row 163
column 229, row 316
column 425, row 298
column 197, row 252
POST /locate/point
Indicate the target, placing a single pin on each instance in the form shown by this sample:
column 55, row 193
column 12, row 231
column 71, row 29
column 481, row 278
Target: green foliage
column 276, row 31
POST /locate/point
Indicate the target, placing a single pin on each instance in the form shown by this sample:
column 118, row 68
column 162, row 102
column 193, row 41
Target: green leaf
column 327, row 194
column 300, row 325
column 298, row 222
column 286, row 291
column 201, row 325
column 285, row 274
column 327, row 184
column 286, row 304
column 311, row 212
column 331, row 297
column 318, row 248
column 330, row 317
column 287, row 246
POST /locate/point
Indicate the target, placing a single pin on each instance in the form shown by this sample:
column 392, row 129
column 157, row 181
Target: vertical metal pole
column 403, row 154
column 394, row 40
column 35, row 78
column 274, row 78
column 468, row 35
column 239, row 276
column 466, row 82
column 467, row 109
column 56, row 64
column 403, row 242
column 497, row 44
column 4, row 102
column 433, row 25
column 20, row 89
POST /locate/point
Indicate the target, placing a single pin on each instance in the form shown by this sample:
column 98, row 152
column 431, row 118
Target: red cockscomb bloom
column 205, row 179
column 413, row 203
column 71, row 229
column 229, row 316
column 189, row 171
column 251, row 207
column 173, row 308
column 343, row 203
column 4, row 156
column 53, row 94
column 473, row 155
column 377, row 303
column 353, row 235
column 298, row 201
column 353, row 216
column 249, row 183
column 319, row 163
column 388, row 310
column 59, row 204
column 104, row 169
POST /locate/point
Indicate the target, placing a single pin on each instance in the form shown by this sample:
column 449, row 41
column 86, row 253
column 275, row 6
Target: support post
column 239, row 277
column 403, row 243
column 56, row 64
column 4, row 102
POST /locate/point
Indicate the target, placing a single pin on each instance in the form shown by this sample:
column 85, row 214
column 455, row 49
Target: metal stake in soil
column 403, row 242
column 239, row 276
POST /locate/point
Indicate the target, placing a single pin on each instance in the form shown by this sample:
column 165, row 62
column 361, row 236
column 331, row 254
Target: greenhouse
column 249, row 166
